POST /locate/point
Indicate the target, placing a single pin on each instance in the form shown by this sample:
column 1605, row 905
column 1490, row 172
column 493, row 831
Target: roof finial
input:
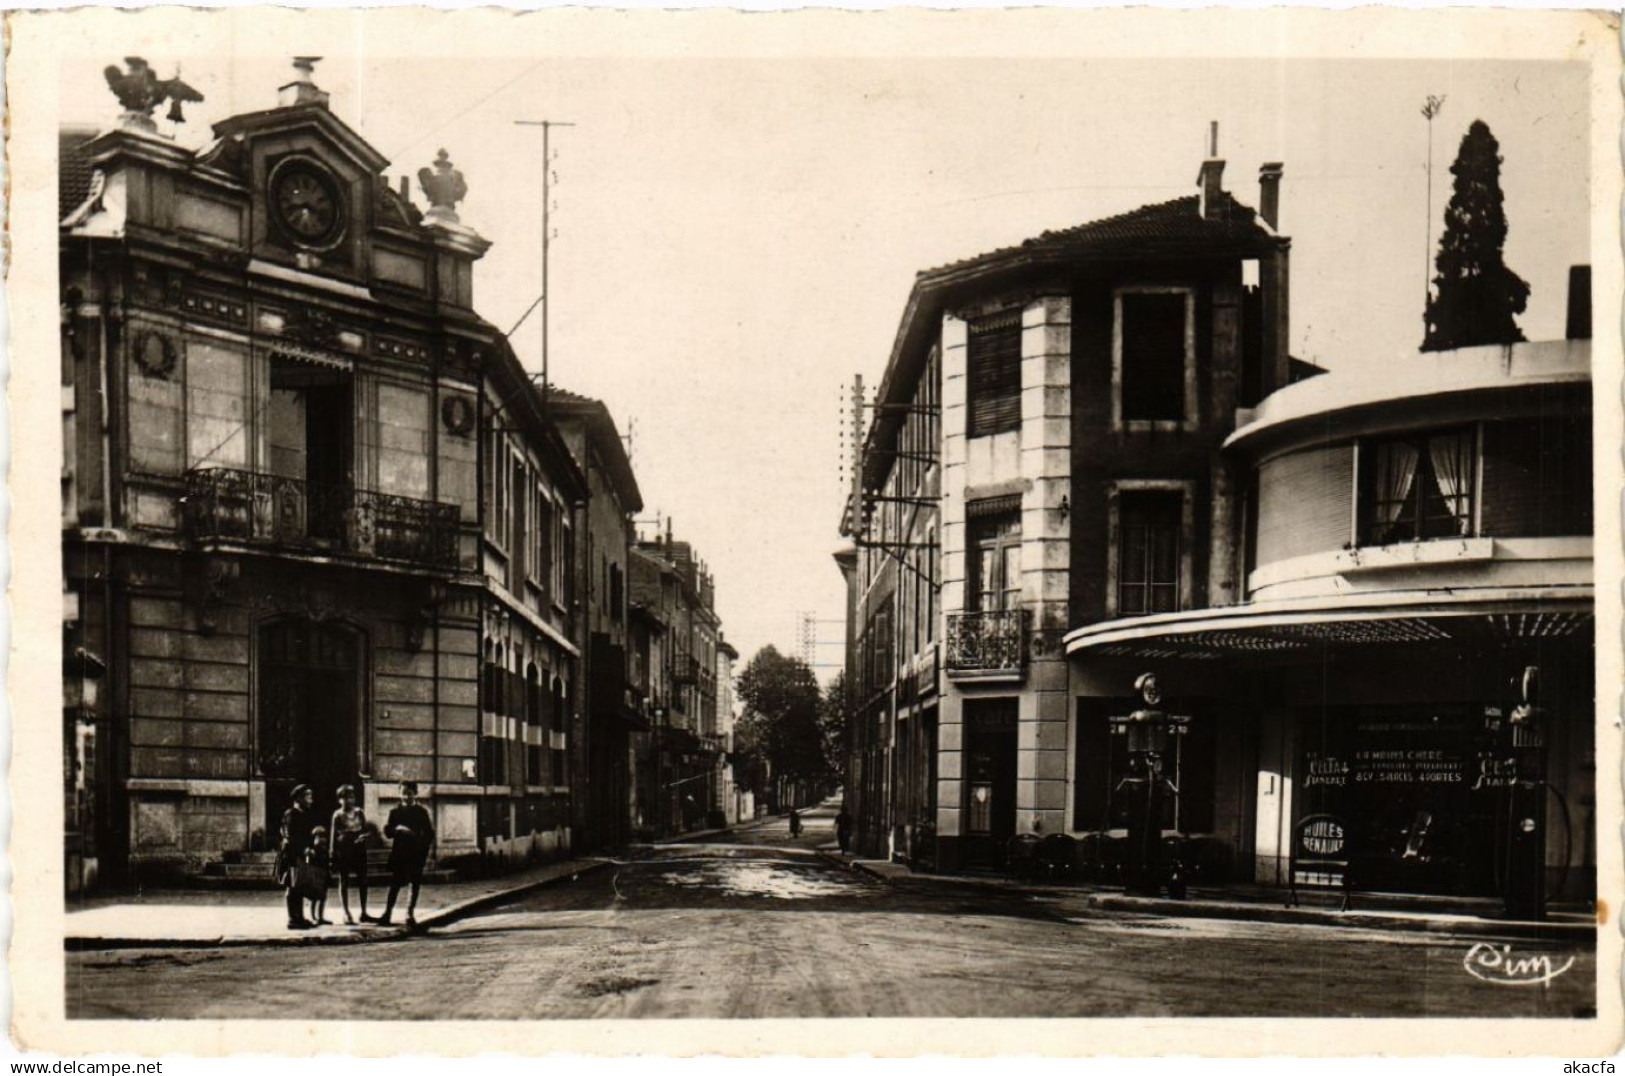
column 444, row 186
column 303, row 89
column 1213, row 138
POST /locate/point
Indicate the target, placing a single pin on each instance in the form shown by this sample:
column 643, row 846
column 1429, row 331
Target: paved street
column 757, row 925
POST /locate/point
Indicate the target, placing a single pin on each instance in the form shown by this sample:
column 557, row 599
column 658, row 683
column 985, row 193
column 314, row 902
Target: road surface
column 758, row 925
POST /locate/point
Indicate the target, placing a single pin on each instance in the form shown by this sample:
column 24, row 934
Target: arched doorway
column 309, row 712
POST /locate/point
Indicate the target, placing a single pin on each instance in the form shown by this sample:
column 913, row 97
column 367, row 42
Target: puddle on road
column 757, row 880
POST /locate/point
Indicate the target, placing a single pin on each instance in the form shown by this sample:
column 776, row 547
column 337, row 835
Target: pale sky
column 737, row 237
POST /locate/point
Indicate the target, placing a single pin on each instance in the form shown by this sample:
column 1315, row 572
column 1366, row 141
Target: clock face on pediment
column 307, row 204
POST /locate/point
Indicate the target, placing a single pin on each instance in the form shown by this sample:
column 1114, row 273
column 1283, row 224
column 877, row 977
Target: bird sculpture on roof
column 139, row 90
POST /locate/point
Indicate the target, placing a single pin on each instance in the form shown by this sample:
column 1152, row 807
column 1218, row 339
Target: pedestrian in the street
column 795, row 822
column 297, row 823
column 316, row 876
column 411, row 833
column 349, row 850
column 843, row 829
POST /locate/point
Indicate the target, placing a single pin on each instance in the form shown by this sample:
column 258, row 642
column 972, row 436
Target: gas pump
column 1149, row 731
column 1523, row 887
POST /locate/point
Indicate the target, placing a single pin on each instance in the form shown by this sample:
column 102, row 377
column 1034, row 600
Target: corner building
column 316, row 527
column 1070, row 395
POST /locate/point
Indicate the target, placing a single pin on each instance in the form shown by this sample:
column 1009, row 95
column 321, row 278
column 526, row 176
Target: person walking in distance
column 411, row 833
column 297, row 823
column 843, row 829
column 350, row 830
column 795, row 822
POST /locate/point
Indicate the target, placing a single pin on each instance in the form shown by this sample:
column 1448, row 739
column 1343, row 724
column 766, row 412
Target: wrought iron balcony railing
column 987, row 644
column 287, row 513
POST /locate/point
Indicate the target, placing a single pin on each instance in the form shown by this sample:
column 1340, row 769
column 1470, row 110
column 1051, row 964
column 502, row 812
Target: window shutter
column 995, row 373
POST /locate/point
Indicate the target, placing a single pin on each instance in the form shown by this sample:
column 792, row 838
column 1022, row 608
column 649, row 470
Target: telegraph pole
column 547, row 231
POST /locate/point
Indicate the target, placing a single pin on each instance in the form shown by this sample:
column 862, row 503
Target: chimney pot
column 1269, row 193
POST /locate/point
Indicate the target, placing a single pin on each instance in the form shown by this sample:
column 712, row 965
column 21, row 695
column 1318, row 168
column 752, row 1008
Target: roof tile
column 1178, row 220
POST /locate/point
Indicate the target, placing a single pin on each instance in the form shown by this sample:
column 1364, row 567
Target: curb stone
column 439, row 917
column 1266, row 913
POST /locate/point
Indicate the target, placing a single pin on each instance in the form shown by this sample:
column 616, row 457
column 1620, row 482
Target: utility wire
column 436, row 130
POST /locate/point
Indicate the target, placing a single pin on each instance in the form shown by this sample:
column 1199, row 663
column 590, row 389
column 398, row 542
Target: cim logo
column 1499, row 964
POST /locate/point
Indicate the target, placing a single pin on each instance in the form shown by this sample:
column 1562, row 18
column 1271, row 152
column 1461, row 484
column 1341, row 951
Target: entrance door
column 990, row 780
column 309, row 712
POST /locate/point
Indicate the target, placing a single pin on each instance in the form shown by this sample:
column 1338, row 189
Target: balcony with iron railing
column 987, row 645
column 228, row 506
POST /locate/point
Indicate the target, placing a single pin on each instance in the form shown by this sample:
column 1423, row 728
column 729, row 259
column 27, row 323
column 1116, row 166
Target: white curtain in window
column 1396, row 470
column 1453, row 470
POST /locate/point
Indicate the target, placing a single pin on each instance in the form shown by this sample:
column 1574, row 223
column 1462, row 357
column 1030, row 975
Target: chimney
column 1211, row 177
column 1579, row 319
column 1269, row 193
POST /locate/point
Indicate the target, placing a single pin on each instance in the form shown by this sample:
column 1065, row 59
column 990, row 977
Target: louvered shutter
column 995, row 373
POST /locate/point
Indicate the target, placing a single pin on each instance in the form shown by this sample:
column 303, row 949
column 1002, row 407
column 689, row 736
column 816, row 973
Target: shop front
column 1454, row 754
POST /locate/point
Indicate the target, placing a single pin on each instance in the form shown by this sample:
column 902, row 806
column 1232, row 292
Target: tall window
column 492, row 745
column 556, row 737
column 517, row 544
column 1148, row 554
column 535, row 729
column 994, row 361
column 931, row 585
column 499, row 470
column 995, row 548
column 564, row 565
column 545, row 525
column 402, row 444
column 1417, row 487
column 1154, row 339
column 216, row 406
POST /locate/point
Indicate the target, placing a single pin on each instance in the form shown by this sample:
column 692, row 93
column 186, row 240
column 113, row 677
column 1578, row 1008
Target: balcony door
column 309, row 711
column 312, row 443
column 995, row 563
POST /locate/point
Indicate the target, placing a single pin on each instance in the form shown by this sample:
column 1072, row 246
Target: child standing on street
column 317, row 876
column 349, row 850
column 411, row 833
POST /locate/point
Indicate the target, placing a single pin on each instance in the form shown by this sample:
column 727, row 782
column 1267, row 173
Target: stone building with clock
column 317, row 528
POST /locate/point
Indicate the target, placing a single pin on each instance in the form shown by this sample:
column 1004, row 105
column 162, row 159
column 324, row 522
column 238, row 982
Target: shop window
column 995, row 562
column 1148, row 551
column 1154, row 361
column 1099, row 803
column 1417, row 487
column 994, row 363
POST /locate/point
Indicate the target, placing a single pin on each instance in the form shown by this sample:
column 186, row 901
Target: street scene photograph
column 888, row 530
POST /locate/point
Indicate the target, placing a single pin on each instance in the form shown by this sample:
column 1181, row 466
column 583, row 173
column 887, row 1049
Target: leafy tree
column 1475, row 295
column 779, row 733
column 832, row 717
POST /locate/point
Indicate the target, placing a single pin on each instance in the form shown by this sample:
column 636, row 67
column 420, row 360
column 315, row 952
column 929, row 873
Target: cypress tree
column 1474, row 294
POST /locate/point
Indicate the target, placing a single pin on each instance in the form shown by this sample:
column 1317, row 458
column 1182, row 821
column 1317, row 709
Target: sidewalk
column 1262, row 904
column 180, row 918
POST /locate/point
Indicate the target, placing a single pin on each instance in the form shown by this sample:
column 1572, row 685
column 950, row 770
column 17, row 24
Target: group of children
column 310, row 853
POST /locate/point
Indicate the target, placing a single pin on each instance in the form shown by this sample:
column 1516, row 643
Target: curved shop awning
column 1303, row 624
